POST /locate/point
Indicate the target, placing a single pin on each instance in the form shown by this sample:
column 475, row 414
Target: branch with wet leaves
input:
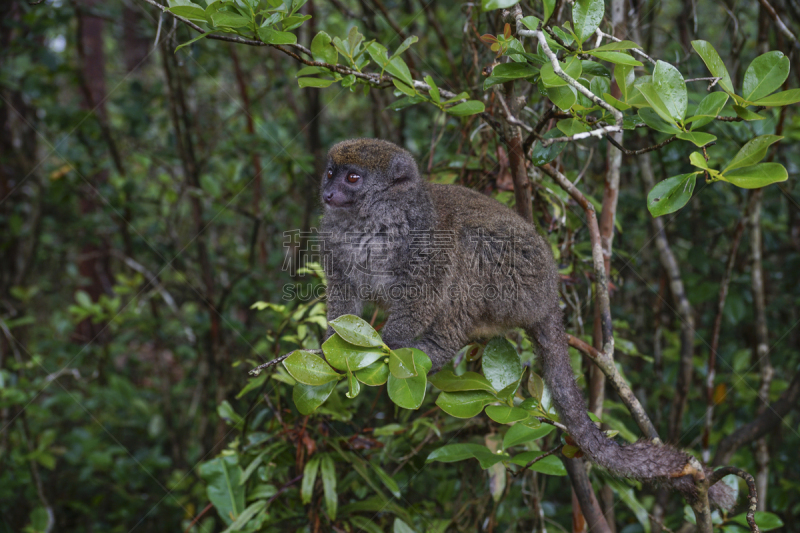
column 374, row 79
column 540, row 36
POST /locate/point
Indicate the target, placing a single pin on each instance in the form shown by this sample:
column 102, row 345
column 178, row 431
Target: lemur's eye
column 330, row 174
column 353, row 177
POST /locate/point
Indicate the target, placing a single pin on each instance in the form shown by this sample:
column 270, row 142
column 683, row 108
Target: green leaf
column 387, row 480
column 593, row 68
column 353, row 386
column 401, row 363
column 227, row 19
column 309, row 477
column 401, row 527
column 671, row 194
column 270, row 36
column 342, row 355
column 708, row 109
column 535, row 386
column 446, row 381
column 549, row 6
column 765, row 75
column 542, row 155
column 465, row 404
column 221, row 476
column 375, row 374
column 409, row 393
column 756, row 176
column 697, row 159
column 618, row 58
column 186, row 9
column 505, row 414
column 699, row 138
column 668, row 83
column 452, row 453
column 550, row 465
column 308, row 397
column 318, row 83
column 627, row 495
column 356, row 330
column 652, row 119
column 650, row 94
column 403, row 88
column 765, row 521
column 434, row 92
column 509, row 71
column 752, row 152
column 309, row 369
column 621, row 45
column 405, row 102
column 500, row 363
column 294, row 22
column 624, row 76
column 470, row 107
column 490, row 5
column 746, row 114
column 323, row 50
column 187, row 43
column 520, row 434
column 622, row 106
column 714, row 64
column 792, row 96
column 571, row 68
column 563, row 97
column 246, row 515
column 586, row 17
column 405, row 45
column 571, row 126
column 329, row 485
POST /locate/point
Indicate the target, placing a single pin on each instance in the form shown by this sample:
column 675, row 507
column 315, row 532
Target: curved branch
column 752, row 496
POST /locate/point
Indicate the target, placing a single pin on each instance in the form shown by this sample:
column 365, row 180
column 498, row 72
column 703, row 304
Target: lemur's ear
column 403, row 170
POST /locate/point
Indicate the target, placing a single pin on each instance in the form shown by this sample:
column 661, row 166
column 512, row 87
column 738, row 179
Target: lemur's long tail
column 642, row 460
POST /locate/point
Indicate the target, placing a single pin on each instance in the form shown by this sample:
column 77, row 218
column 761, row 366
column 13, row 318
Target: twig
column 257, row 370
column 641, row 150
column 599, row 132
column 778, row 22
column 536, row 460
column 197, row 518
column 752, row 495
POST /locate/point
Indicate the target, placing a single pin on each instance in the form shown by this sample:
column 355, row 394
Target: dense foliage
column 158, row 199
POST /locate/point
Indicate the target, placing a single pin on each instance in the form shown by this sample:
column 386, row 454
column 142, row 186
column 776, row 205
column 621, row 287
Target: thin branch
column 778, row 22
column 752, row 496
column 607, row 366
column 599, row 132
column 535, row 460
column 642, row 150
column 257, row 370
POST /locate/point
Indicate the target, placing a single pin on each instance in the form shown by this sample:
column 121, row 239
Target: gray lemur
column 450, row 266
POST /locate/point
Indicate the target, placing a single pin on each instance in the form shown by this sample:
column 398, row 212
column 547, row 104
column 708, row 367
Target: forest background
column 149, row 197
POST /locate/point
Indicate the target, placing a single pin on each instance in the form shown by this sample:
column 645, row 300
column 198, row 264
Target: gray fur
column 378, row 224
